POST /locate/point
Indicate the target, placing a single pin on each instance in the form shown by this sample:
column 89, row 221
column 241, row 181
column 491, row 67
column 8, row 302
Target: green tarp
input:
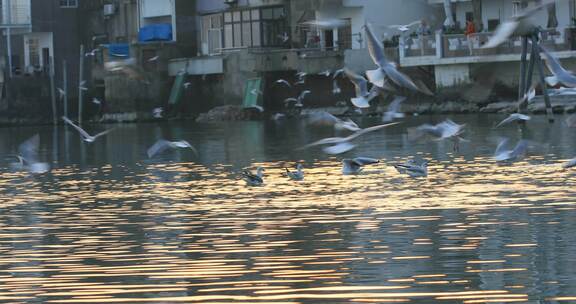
column 177, row 89
column 250, row 99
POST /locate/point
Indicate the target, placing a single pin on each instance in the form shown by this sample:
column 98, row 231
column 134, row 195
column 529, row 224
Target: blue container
column 155, row 32
column 119, row 49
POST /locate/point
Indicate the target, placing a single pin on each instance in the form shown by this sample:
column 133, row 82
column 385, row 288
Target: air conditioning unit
column 109, row 9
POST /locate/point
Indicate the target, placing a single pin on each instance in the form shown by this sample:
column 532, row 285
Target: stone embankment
column 560, row 104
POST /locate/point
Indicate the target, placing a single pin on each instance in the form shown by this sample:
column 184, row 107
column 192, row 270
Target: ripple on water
column 474, row 231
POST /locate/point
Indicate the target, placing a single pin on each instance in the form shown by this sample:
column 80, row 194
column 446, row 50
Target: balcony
column 457, row 49
column 203, row 65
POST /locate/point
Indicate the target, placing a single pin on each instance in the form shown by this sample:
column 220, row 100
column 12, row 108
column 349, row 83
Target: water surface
column 110, row 225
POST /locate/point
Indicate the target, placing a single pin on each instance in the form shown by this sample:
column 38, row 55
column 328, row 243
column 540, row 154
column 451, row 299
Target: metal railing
column 460, row 45
column 420, row 46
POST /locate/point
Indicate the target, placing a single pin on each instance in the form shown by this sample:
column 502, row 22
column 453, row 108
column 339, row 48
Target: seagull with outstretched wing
column 517, row 25
column 162, row 145
column 355, row 165
column 85, row 136
column 393, row 111
column 561, row 75
column 338, row 145
column 503, row 154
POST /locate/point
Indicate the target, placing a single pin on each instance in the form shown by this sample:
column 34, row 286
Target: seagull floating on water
column 413, row 169
column 254, row 179
column 354, row 166
column 162, row 145
column 297, row 175
column 85, row 136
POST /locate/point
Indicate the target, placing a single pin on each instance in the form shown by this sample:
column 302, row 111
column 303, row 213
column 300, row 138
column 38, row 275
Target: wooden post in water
column 80, row 79
column 53, row 92
column 65, row 87
column 522, row 104
column 541, row 75
column 522, row 83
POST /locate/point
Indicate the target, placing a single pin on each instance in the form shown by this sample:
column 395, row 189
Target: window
column 515, row 8
column 68, row 3
column 254, row 27
column 345, row 36
column 493, row 24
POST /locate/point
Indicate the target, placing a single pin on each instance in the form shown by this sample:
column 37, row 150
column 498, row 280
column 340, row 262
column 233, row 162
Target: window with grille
column 68, row 3
column 255, row 27
column 212, row 33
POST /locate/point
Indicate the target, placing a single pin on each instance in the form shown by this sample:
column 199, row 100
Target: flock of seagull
column 386, row 78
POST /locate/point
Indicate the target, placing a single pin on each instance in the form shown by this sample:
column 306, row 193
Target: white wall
column 381, row 14
column 452, row 75
column 156, row 8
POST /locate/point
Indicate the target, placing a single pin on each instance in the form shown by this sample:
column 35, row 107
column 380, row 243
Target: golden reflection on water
column 472, row 232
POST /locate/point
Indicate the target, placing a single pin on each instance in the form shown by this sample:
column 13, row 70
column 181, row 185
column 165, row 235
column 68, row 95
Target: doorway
column 46, row 60
column 329, row 39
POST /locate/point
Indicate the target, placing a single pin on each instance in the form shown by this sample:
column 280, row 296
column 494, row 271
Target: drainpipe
column 9, row 36
column 439, row 44
column 402, row 47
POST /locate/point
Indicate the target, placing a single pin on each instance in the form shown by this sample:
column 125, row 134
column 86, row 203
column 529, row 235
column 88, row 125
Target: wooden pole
column 538, row 60
column 53, row 92
column 527, row 81
column 522, row 84
column 65, row 87
column 9, row 36
column 80, row 79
